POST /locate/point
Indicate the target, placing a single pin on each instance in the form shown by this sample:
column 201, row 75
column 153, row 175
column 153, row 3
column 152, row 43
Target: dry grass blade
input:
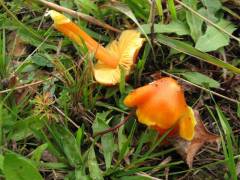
column 80, row 15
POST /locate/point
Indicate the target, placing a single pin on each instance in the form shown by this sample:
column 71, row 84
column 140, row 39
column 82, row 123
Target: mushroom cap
column 126, row 48
column 162, row 104
column 58, row 17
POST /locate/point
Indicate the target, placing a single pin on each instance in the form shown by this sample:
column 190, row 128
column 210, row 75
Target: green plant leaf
column 94, row 170
column 67, row 4
column 204, row 12
column 201, row 79
column 1, row 162
column 107, row 140
column 178, row 27
column 194, row 22
column 41, row 60
column 188, row 49
column 172, row 9
column 212, row 6
column 123, row 8
column 238, row 110
column 68, row 144
column 88, row 7
column 139, row 7
column 79, row 136
column 37, row 153
column 122, row 138
column 213, row 39
column 229, row 152
column 23, row 128
column 19, row 168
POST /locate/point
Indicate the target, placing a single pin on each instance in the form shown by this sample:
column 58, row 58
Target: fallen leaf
column 189, row 149
column 16, row 46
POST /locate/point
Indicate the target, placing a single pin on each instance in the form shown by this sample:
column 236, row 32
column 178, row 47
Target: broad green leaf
column 88, row 7
column 78, row 173
column 107, row 140
column 19, row 168
column 212, row 6
column 178, row 27
column 37, row 153
column 68, row 144
column 201, row 79
column 23, row 128
column 204, row 12
column 195, row 23
column 94, row 170
column 188, row 49
column 41, row 60
column 67, row 4
column 213, row 38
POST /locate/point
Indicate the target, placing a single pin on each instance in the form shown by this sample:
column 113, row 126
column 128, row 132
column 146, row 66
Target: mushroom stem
column 72, row 31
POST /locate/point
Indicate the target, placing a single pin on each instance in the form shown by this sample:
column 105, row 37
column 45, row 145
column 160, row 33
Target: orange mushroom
column 118, row 54
column 161, row 105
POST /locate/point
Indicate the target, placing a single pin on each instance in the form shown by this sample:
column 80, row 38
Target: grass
column 51, row 108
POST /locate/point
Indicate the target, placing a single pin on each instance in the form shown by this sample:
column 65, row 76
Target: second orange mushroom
column 161, row 105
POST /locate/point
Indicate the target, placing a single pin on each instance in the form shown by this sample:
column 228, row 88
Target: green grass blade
column 227, row 131
column 172, row 9
column 160, row 10
column 30, row 31
column 3, row 59
column 123, row 8
column 188, row 49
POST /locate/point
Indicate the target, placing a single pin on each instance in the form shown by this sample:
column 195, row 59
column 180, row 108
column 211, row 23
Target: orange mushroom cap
column 126, row 48
column 118, row 54
column 161, row 105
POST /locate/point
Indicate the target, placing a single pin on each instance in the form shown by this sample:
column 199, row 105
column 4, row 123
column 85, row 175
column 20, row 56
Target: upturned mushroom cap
column 117, row 57
column 126, row 48
column 162, row 104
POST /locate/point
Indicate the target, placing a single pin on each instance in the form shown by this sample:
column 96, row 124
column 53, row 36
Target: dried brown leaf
column 16, row 47
column 189, row 149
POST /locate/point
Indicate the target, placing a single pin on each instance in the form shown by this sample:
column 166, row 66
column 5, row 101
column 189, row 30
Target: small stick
column 80, row 15
column 115, row 127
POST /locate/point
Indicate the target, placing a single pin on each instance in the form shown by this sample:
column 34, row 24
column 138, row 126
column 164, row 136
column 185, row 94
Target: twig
column 24, row 86
column 115, row 127
column 80, row 15
column 64, row 115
